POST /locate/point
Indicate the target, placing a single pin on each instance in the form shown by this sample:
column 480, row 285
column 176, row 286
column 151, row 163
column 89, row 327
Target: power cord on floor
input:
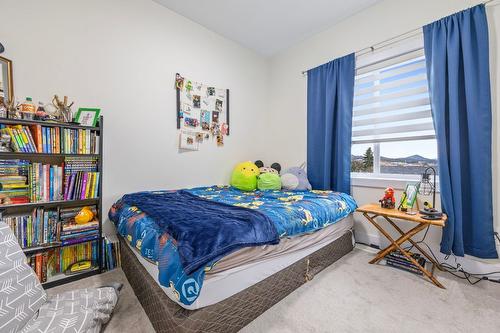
column 454, row 270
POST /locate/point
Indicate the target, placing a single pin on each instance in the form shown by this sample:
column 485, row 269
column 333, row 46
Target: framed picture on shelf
column 87, row 117
column 411, row 194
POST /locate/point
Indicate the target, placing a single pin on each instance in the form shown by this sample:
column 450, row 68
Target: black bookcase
column 60, row 278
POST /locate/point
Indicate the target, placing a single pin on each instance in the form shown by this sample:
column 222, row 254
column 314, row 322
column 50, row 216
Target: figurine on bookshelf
column 85, row 215
column 3, row 108
column 5, row 143
column 63, row 112
column 12, row 110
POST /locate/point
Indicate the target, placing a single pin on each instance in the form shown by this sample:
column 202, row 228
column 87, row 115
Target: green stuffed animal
column 269, row 178
column 269, row 181
column 244, row 176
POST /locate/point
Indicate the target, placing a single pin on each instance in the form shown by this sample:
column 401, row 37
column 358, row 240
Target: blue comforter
column 291, row 213
column 205, row 230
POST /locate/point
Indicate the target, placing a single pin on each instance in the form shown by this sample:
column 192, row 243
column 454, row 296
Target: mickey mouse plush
column 269, row 178
column 274, row 168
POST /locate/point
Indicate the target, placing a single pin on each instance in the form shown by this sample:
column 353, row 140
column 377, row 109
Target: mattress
column 146, row 225
column 244, row 268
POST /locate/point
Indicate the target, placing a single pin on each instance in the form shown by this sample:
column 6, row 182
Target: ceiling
column 267, row 26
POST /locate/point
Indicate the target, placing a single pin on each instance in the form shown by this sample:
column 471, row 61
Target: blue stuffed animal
column 295, row 179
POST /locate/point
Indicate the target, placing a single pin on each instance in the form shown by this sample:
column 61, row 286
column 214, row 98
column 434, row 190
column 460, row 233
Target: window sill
column 398, row 182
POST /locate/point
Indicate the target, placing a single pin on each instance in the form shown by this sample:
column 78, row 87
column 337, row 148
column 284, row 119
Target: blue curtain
column 456, row 50
column 330, row 93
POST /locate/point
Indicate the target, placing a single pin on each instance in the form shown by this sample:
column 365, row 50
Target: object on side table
column 427, row 188
column 398, row 260
column 372, row 211
column 388, row 201
column 410, row 198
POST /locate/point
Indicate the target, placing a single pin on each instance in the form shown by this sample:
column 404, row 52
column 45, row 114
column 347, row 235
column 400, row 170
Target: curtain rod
column 395, row 39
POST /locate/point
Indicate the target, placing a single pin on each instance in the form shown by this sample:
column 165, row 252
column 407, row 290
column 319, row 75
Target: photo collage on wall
column 202, row 113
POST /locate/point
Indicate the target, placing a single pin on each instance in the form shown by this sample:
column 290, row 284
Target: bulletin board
column 202, row 113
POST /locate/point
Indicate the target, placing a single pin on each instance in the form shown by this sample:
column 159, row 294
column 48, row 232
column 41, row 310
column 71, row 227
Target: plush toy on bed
column 269, row 178
column 295, row 179
column 244, row 176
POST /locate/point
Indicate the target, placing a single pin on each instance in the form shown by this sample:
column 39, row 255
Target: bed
column 225, row 292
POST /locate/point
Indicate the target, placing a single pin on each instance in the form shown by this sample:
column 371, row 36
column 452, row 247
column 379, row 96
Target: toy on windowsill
column 388, row 201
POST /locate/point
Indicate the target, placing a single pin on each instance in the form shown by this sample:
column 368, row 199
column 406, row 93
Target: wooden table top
column 376, row 209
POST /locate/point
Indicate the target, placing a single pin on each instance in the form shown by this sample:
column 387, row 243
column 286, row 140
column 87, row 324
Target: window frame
column 376, row 178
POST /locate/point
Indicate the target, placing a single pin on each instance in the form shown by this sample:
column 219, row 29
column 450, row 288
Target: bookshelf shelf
column 16, row 155
column 35, row 249
column 8, row 121
column 62, row 278
column 51, row 204
column 24, row 209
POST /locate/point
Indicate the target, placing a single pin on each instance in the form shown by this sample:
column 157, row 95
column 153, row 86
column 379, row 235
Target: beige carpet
column 353, row 296
column 350, row 296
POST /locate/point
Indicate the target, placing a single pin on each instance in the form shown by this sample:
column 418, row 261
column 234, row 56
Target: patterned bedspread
column 293, row 213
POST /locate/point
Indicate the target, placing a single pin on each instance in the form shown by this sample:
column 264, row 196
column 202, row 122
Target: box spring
column 235, row 312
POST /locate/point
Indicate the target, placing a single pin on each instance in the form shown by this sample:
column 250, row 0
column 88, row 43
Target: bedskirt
column 235, row 312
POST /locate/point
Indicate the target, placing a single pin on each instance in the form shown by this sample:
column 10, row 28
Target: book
column 404, row 267
column 81, row 177
column 38, row 228
column 111, row 251
column 56, row 261
column 398, row 260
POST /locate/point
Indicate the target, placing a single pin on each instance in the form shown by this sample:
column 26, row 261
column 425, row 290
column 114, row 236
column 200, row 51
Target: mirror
column 6, row 81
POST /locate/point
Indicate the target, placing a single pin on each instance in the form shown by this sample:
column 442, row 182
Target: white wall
column 122, row 56
column 375, row 24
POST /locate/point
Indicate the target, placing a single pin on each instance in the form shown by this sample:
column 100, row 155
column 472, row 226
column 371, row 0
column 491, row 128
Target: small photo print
column 196, row 101
column 215, row 116
column 187, row 141
column 218, row 105
column 205, row 120
column 211, row 91
column 191, row 122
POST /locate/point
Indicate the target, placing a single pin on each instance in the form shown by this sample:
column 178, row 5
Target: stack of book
column 79, row 141
column 398, row 260
column 51, row 140
column 81, row 178
column 56, row 261
column 36, row 229
column 13, row 186
column 21, row 138
column 45, row 182
column 72, row 233
column 111, row 252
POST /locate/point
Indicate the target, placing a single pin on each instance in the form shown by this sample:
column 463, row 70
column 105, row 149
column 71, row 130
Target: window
column 393, row 134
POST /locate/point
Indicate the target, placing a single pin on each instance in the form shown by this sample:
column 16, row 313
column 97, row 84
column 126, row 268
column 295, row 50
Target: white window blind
column 391, row 99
